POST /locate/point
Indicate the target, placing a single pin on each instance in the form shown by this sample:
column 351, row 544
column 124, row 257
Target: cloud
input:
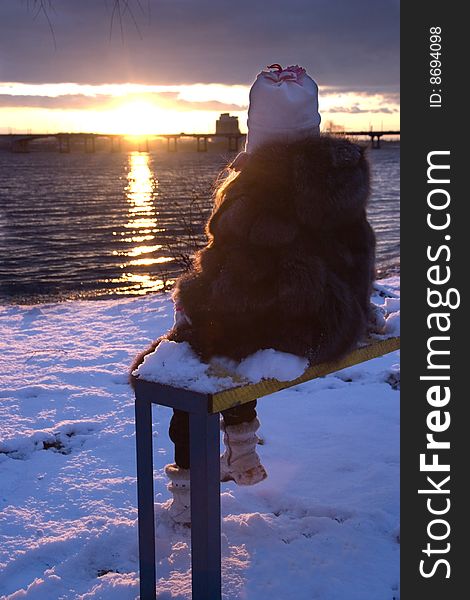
column 105, row 101
column 71, row 101
column 342, row 42
column 172, row 100
column 356, row 109
column 389, row 94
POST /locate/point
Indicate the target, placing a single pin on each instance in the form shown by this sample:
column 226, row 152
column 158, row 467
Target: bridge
column 375, row 136
column 20, row 142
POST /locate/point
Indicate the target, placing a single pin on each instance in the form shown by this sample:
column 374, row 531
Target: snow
column 391, row 307
column 270, row 363
column 176, row 364
column 324, row 525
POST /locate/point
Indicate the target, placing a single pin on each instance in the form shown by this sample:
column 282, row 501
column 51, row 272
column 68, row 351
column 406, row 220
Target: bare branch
column 43, row 7
column 119, row 10
column 120, row 20
column 183, row 246
column 131, row 14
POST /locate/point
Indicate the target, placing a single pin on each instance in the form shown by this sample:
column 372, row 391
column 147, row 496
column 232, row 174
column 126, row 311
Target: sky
column 175, row 65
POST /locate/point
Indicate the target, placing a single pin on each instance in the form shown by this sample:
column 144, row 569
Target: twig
column 131, row 14
column 40, row 7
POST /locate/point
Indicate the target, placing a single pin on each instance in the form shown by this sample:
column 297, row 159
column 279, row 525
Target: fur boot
column 240, row 461
column 179, row 508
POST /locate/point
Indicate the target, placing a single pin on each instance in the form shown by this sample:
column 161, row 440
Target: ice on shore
column 323, row 525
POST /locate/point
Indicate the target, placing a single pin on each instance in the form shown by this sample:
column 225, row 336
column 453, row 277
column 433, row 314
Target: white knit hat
column 283, row 107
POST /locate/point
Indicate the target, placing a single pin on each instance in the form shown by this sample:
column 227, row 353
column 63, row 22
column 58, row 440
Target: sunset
column 85, row 77
column 139, row 109
column 199, row 299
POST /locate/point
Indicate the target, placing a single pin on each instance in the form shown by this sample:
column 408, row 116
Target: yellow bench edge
column 246, row 393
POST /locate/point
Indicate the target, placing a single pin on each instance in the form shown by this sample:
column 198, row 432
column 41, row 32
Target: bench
column 204, row 431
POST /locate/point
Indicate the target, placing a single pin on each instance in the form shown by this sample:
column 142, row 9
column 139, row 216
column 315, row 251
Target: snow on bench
column 245, row 393
column 226, row 384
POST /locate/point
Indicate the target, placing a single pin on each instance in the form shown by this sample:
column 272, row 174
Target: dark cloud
column 80, row 101
column 347, row 43
column 75, row 101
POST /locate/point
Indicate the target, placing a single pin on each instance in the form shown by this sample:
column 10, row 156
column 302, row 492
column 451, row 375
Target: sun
column 137, row 117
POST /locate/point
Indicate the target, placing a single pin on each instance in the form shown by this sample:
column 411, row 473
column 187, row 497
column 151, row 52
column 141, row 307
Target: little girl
column 288, row 265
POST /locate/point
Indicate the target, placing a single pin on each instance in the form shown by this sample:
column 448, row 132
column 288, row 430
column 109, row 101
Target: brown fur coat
column 290, row 258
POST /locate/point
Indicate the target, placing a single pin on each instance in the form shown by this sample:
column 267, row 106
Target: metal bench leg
column 143, row 426
column 204, row 436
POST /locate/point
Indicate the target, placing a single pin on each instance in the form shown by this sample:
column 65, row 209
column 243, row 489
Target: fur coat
column 290, row 258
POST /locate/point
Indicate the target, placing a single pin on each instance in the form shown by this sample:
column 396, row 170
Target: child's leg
column 240, row 414
column 178, row 474
column 179, row 428
column 240, row 461
column 179, row 435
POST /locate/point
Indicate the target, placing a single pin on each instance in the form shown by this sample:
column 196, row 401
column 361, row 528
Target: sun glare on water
column 141, row 227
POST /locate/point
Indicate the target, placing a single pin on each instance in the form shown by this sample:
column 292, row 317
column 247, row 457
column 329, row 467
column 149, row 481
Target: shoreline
column 96, row 296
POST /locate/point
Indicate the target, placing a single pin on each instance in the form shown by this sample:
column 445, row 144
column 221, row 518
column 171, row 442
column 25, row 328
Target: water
column 105, row 225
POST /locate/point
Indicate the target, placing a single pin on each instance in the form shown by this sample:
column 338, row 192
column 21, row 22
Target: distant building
column 226, row 124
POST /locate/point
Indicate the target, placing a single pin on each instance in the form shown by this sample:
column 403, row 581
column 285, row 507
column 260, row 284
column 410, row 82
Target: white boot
column 240, row 461
column 179, row 486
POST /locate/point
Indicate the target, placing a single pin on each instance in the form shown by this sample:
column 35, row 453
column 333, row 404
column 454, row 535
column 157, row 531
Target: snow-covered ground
column 323, row 526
